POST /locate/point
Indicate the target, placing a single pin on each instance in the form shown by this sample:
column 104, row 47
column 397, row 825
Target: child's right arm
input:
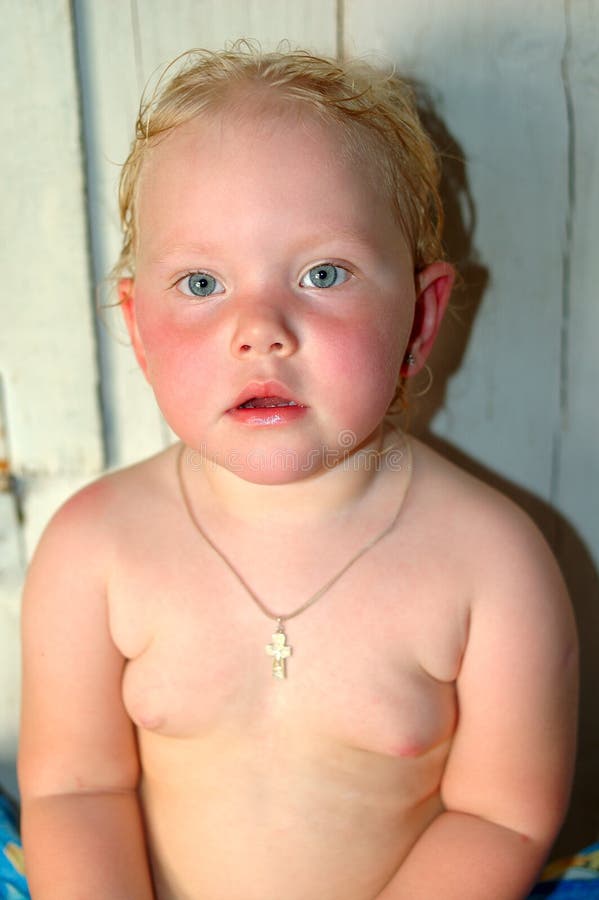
column 78, row 763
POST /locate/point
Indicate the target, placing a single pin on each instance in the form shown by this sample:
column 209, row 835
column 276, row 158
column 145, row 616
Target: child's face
column 249, row 209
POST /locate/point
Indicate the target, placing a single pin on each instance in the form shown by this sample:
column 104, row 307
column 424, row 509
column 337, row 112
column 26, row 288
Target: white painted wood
column 110, row 83
column 47, row 354
column 578, row 488
column 494, row 74
column 121, row 46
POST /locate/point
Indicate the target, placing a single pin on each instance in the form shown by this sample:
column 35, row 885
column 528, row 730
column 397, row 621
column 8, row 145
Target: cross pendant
column 279, row 652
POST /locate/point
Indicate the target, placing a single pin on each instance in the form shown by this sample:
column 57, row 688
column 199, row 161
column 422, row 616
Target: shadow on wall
column 582, row 578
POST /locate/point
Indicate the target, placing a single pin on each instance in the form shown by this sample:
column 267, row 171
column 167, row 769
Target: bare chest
column 370, row 666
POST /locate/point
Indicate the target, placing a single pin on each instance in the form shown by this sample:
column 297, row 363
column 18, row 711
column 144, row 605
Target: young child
column 297, row 654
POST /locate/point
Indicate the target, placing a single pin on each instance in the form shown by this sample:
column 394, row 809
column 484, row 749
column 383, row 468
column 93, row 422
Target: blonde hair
column 376, row 111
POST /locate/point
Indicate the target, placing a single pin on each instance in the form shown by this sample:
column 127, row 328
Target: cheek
column 363, row 367
column 180, row 360
column 167, row 343
column 368, row 355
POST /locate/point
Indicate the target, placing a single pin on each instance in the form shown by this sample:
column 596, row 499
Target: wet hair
column 374, row 110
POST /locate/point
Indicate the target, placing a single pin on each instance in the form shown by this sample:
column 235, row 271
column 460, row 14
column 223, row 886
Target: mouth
column 266, row 403
column 265, row 395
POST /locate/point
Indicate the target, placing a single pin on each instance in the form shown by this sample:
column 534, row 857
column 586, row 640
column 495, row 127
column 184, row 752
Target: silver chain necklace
column 279, row 650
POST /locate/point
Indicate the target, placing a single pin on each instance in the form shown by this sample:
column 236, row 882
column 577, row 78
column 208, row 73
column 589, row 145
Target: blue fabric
column 574, row 878
column 13, row 885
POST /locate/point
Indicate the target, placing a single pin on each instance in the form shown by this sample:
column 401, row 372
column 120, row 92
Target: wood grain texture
column 47, row 352
column 493, row 77
column 577, row 489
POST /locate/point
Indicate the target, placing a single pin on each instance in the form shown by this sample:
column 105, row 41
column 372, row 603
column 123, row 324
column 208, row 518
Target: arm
column 506, row 785
column 78, row 765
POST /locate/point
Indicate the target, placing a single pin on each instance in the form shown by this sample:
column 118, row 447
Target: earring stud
column 411, row 359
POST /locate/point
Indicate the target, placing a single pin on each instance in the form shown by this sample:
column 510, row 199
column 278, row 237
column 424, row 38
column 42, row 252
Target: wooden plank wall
column 50, row 423
column 509, row 91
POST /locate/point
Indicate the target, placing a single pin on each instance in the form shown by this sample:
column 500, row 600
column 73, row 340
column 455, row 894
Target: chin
column 276, row 475
column 279, row 466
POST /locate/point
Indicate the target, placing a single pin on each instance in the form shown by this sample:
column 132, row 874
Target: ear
column 433, row 290
column 126, row 290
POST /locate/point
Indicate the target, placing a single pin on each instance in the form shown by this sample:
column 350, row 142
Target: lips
column 265, row 395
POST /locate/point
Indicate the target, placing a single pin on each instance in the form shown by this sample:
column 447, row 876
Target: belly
column 261, row 816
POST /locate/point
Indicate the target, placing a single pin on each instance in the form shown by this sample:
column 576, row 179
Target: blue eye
column 325, row 275
column 200, row 284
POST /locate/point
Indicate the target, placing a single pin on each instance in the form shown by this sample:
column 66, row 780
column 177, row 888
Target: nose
column 263, row 331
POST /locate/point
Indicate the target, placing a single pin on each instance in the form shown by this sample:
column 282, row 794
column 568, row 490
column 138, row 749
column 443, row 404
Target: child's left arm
column 506, row 785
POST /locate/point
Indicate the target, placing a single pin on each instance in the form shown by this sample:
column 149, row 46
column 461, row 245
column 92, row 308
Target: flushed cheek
column 180, row 363
column 366, row 362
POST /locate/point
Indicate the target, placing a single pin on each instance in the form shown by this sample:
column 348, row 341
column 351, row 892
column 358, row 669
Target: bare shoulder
column 73, row 559
column 489, row 528
column 75, row 732
column 103, row 513
column 508, row 570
